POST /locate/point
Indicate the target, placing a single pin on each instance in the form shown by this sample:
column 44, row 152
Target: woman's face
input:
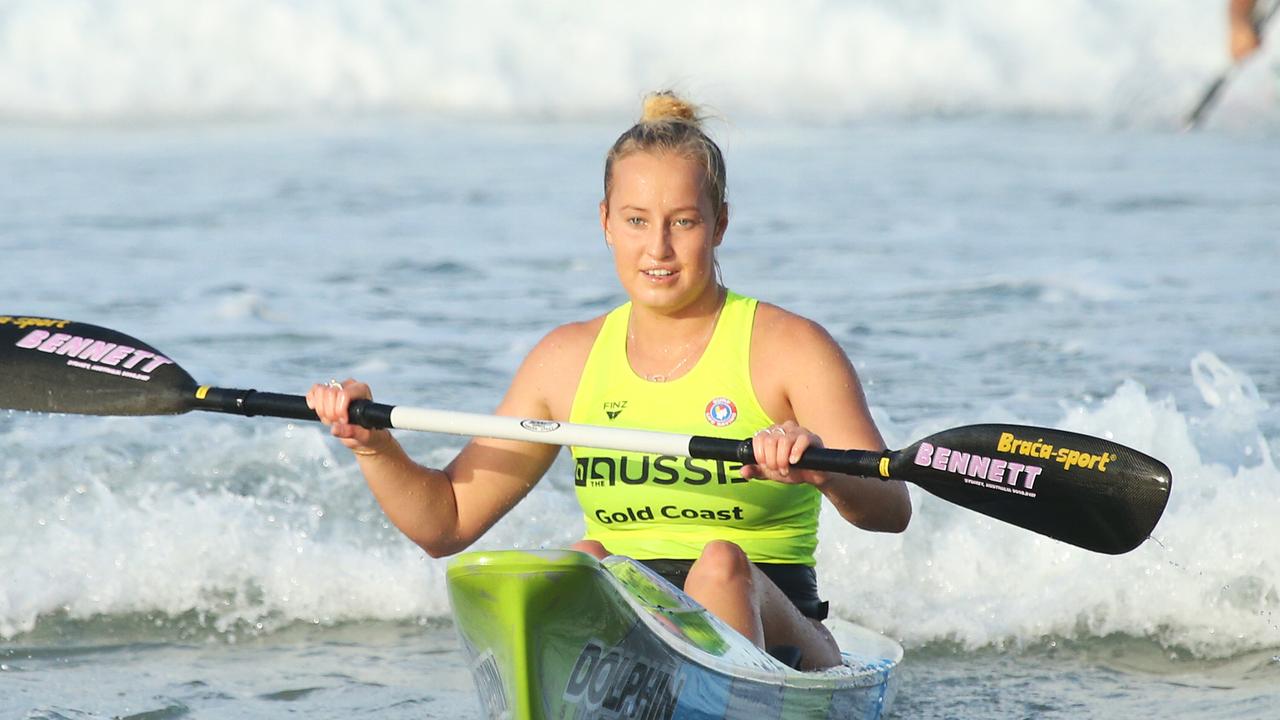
column 663, row 228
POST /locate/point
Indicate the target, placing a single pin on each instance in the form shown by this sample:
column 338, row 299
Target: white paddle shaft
column 547, row 432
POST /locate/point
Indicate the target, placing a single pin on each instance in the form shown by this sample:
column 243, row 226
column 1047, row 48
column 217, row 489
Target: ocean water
column 989, row 207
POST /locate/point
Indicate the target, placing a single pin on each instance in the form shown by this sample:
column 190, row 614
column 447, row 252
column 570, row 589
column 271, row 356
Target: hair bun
column 671, row 124
column 666, row 106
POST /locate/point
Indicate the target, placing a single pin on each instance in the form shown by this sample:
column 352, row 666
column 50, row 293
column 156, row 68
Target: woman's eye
column 635, row 221
column 685, row 222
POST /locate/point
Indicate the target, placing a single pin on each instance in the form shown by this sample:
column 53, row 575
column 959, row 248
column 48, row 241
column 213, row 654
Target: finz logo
column 614, row 408
column 721, row 412
column 540, row 426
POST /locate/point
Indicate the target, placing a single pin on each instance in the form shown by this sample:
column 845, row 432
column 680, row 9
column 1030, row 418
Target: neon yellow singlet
column 650, row 506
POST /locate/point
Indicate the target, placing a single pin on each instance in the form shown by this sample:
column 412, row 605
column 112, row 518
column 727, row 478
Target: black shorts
column 798, row 582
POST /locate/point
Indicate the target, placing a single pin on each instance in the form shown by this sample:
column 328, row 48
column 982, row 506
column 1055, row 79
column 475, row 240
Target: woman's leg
column 724, row 581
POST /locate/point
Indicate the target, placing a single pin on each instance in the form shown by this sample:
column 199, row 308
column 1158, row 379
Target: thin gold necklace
column 689, row 348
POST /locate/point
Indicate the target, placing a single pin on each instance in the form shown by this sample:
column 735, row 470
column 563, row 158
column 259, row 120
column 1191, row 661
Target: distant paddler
column 1245, row 28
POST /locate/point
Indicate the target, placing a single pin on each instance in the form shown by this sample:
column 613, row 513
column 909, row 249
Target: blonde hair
column 671, row 124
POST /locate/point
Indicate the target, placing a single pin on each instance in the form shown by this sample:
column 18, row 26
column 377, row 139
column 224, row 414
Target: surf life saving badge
column 721, row 412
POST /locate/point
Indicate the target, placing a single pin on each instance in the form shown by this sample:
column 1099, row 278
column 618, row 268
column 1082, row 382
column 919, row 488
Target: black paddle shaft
column 376, row 416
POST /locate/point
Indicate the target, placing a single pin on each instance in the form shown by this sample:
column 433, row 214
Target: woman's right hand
column 331, row 400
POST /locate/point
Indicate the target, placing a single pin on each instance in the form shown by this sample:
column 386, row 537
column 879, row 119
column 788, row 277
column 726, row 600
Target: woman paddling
column 687, row 355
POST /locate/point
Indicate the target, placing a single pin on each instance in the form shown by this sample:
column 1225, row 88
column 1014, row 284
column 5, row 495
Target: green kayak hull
column 553, row 634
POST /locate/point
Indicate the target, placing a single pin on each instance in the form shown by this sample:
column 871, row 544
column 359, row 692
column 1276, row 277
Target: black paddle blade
column 61, row 366
column 1090, row 492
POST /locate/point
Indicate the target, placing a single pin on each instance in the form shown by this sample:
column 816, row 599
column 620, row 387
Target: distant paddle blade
column 61, row 366
column 1089, row 492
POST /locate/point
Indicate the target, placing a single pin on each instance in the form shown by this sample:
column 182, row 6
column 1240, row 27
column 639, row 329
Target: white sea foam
column 109, row 525
column 1209, row 584
column 1145, row 61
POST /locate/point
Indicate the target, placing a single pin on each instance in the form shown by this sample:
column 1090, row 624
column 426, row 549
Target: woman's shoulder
column 550, row 372
column 570, row 339
column 563, row 351
column 774, row 324
column 801, row 372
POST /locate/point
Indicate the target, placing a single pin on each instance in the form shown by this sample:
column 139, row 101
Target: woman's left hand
column 777, row 447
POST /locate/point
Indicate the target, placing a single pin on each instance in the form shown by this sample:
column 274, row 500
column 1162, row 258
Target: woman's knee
column 591, row 547
column 721, row 563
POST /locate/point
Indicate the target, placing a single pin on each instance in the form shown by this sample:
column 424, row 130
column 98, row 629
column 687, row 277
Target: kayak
column 556, row 634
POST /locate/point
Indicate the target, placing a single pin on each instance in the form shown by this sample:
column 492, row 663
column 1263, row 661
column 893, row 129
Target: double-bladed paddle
column 1082, row 490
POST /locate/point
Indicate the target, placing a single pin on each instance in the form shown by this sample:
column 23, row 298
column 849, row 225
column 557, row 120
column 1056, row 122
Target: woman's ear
column 604, row 223
column 722, row 224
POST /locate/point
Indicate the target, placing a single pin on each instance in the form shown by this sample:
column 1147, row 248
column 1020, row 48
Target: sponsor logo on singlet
column 721, row 412
column 614, row 408
column 609, row 470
